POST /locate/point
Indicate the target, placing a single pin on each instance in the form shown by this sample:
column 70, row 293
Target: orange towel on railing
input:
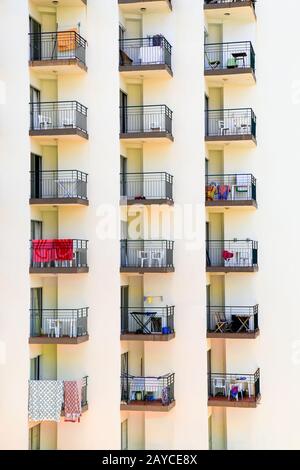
column 72, row 400
column 45, row 251
column 66, row 40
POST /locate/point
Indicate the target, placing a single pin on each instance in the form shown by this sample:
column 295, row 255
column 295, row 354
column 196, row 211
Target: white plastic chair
column 44, row 121
column 240, row 390
column 53, row 327
column 143, row 256
column 219, row 384
column 222, row 128
column 156, row 258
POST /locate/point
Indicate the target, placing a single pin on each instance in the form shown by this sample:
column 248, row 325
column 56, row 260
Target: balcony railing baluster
column 147, row 320
column 232, row 253
column 153, row 390
column 224, row 123
column 231, row 320
column 229, row 56
column 237, row 387
column 226, row 3
column 58, row 322
column 61, row 253
column 153, row 50
column 231, row 187
column 146, row 119
column 48, row 116
column 147, row 253
column 58, row 45
column 139, row 186
column 58, row 184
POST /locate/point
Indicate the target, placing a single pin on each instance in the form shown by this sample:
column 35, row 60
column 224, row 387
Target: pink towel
column 72, row 400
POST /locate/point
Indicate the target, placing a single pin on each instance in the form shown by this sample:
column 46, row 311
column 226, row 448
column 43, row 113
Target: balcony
column 230, row 61
column 152, row 6
column 234, row 256
column 47, row 400
column 150, row 56
column 227, row 191
column 147, row 393
column 145, row 123
column 147, row 323
column 225, row 126
column 63, row 51
column 58, row 119
column 146, row 188
column 55, row 187
column 147, row 256
column 63, row 256
column 238, row 10
column 234, row 390
column 58, row 326
column 232, row 322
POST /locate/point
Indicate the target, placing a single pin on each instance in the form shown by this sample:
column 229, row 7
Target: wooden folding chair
column 222, row 325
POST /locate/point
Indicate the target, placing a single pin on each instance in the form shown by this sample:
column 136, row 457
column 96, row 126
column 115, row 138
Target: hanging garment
column 45, row 251
column 67, row 40
column 72, row 400
column 41, row 251
column 227, row 255
column 223, row 192
column 165, row 396
column 45, row 400
column 62, row 250
column 211, row 191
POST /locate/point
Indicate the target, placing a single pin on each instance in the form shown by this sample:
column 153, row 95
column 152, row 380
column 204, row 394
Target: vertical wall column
column 100, row 356
column 184, row 427
column 15, row 228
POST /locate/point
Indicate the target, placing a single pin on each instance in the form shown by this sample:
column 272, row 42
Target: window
column 36, row 230
column 124, row 435
column 35, row 368
column 36, row 306
column 35, row 438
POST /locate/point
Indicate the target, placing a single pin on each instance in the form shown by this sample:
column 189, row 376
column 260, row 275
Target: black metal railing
column 58, row 184
column 225, row 2
column 58, row 115
column 231, row 187
column 234, row 386
column 153, row 50
column 143, row 186
column 147, row 320
column 230, row 122
column 59, row 45
column 58, row 323
column 153, row 390
column 58, row 253
column 147, row 253
column 232, row 253
column 232, row 319
column 145, row 119
column 229, row 55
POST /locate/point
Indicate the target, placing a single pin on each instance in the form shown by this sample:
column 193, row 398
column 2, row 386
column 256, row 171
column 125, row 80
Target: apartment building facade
column 143, row 259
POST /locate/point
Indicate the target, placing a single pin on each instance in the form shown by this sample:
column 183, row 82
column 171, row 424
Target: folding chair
column 222, row 324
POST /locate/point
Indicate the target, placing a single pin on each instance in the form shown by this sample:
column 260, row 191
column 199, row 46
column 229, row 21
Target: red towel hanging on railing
column 45, row 251
column 227, row 255
column 63, row 250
